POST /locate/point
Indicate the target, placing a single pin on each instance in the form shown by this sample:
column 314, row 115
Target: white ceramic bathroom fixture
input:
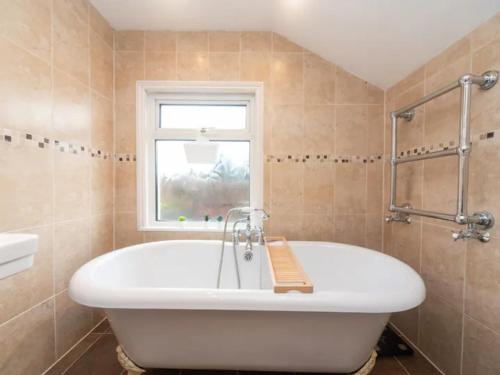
column 17, row 252
column 164, row 306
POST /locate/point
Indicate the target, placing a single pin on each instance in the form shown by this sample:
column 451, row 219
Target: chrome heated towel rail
column 478, row 222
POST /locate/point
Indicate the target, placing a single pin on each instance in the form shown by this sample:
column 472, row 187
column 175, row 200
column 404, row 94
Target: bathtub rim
column 85, row 291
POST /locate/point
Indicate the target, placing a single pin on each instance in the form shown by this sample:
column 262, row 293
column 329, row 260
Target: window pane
column 196, row 116
column 195, row 190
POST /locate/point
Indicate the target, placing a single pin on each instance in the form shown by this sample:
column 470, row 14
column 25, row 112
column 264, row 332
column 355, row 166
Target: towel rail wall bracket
column 478, row 223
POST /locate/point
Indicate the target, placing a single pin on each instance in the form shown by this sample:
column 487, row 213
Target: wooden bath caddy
column 286, row 271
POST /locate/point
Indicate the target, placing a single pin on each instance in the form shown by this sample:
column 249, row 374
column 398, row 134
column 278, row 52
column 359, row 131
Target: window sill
column 184, row 227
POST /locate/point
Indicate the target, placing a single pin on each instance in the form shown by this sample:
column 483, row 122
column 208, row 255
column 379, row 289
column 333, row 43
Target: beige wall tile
column 485, row 106
column 25, row 289
column 441, row 334
column 409, row 184
column 407, row 322
column 350, row 229
column 23, row 168
column 256, row 41
column 287, row 187
column 281, row 225
column 26, row 83
column 454, row 52
column 405, row 243
column 129, row 40
column 484, row 178
column 224, row 66
column 101, row 193
column 319, row 80
column 317, row 227
column 102, row 123
column 282, row 44
column 161, row 65
column 374, row 232
column 79, row 7
column 101, row 66
column 71, row 109
column 124, row 128
column 319, row 129
column 374, row 186
column 129, row 68
column 256, row 66
column 440, row 184
column 411, row 134
column 224, row 41
column 164, row 41
column 71, row 250
column 126, row 233
column 287, row 78
column 442, row 114
column 318, row 188
column 27, row 341
column 350, row 188
column 71, row 186
column 193, row 66
column 443, row 264
column 353, row 90
column 100, row 25
column 192, row 41
column 28, row 24
column 483, row 282
column 125, row 189
column 287, row 129
column 359, row 129
column 101, row 234
column 71, row 41
column 72, row 322
column 481, row 349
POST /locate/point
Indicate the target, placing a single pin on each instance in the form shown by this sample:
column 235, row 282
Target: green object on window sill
column 207, row 218
column 182, row 218
column 219, row 218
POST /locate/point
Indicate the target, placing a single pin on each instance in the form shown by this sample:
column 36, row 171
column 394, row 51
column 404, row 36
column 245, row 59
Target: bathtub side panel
column 243, row 340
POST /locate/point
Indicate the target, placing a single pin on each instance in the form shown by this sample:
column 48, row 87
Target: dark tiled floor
column 96, row 355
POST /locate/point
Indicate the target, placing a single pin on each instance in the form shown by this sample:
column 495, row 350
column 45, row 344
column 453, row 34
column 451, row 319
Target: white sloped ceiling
column 379, row 40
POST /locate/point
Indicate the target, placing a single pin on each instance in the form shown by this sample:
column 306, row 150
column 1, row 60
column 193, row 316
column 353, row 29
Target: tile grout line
column 402, row 366
column 53, row 234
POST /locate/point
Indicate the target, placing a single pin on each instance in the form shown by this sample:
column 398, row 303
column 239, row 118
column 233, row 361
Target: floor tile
column 417, row 365
column 388, row 366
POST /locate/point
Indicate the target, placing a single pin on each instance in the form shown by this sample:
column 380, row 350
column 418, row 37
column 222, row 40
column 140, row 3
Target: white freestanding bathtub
column 163, row 304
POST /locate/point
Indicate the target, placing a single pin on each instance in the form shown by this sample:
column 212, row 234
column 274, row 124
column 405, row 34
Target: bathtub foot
column 127, row 363
column 368, row 366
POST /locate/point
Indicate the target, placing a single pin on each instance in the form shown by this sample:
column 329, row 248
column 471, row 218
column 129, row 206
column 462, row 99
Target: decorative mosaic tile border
column 323, row 158
column 17, row 138
column 419, row 150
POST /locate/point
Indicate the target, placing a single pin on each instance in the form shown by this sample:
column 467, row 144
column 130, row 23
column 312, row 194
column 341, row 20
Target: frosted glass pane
column 189, row 116
column 197, row 190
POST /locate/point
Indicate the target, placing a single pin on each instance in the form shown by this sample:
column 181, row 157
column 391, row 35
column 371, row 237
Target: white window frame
column 149, row 95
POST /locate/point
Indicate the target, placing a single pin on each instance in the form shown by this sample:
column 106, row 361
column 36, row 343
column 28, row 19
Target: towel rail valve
column 402, row 217
column 477, row 227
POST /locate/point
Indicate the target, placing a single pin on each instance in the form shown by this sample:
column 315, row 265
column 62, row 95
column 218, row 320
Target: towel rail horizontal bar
column 485, row 81
column 428, row 155
column 431, row 214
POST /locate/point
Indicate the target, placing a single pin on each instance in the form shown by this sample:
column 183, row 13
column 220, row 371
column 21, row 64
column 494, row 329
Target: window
column 199, row 153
